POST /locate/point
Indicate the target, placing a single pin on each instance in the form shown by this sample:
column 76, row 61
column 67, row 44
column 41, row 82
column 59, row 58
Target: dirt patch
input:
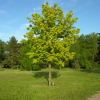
column 95, row 97
column 47, row 84
column 43, row 84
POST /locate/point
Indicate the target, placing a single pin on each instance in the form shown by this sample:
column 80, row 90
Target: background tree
column 13, row 52
column 2, row 52
column 18, row 57
column 97, row 58
column 26, row 62
column 49, row 28
column 75, row 63
column 93, row 38
column 86, row 51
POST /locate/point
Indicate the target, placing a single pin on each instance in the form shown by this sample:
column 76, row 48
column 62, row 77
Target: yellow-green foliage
column 50, row 28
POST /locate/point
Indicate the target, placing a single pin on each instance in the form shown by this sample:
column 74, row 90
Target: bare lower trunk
column 60, row 67
column 12, row 63
column 30, row 68
column 17, row 67
column 49, row 74
column 78, row 64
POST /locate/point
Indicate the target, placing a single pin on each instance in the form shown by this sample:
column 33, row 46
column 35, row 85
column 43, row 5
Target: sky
column 13, row 15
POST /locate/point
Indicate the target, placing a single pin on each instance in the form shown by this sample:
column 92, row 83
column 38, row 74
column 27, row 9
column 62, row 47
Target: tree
column 2, row 50
column 75, row 63
column 50, row 28
column 98, row 54
column 86, row 51
column 26, row 62
column 13, row 52
column 18, row 58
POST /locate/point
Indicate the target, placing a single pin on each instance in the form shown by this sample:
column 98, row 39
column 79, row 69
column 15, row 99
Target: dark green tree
column 11, row 47
column 86, row 50
column 97, row 58
column 2, row 53
column 26, row 62
column 18, row 61
column 2, row 50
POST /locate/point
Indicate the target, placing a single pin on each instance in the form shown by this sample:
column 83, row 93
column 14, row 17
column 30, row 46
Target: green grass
column 69, row 84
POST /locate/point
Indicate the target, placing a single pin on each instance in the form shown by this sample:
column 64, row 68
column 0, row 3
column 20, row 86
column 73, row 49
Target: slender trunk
column 49, row 74
column 12, row 63
column 0, row 67
column 60, row 67
column 30, row 68
column 78, row 64
column 12, row 60
column 17, row 66
column 18, row 62
column 93, row 59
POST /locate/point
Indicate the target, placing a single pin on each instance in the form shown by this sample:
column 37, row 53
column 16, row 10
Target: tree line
column 46, row 49
column 87, row 54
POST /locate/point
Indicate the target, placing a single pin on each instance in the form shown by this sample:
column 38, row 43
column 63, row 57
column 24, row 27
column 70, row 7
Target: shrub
column 36, row 67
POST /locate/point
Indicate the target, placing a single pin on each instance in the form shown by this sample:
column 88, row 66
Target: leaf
column 54, row 35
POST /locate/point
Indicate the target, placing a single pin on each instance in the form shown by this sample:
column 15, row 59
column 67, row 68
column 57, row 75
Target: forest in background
column 47, row 48
column 87, row 54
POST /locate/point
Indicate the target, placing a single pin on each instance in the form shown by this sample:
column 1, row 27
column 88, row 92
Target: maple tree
column 51, row 29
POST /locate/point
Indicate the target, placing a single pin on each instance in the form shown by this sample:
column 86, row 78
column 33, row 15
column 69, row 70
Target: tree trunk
column 49, row 74
column 78, row 64
column 17, row 66
column 12, row 63
column 30, row 68
column 60, row 67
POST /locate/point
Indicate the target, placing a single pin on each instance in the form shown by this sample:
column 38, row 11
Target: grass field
column 69, row 84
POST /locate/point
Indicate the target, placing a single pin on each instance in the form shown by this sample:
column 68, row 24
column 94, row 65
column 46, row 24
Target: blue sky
column 13, row 15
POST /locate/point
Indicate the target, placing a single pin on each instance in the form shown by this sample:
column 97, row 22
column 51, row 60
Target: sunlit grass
column 69, row 84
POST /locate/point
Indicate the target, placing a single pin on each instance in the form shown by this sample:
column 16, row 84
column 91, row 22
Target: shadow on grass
column 46, row 75
column 91, row 70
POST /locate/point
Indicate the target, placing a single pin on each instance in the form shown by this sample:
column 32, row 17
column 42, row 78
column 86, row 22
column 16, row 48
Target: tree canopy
column 50, row 29
column 86, row 51
column 11, row 47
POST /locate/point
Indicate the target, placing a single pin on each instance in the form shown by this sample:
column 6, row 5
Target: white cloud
column 27, row 24
column 23, row 26
column 2, row 11
column 89, row 2
column 5, row 26
column 10, row 1
column 38, row 8
column 22, row 31
column 67, row 2
column 17, row 32
column 72, row 2
column 7, row 15
column 19, row 35
column 35, row 10
column 12, row 20
column 50, row 2
column 1, row 34
column 62, row 3
column 30, row 13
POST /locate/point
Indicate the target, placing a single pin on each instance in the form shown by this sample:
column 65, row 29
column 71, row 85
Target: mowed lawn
column 69, row 84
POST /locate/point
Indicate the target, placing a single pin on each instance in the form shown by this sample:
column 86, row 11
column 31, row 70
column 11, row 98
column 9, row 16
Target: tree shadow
column 46, row 75
column 90, row 70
